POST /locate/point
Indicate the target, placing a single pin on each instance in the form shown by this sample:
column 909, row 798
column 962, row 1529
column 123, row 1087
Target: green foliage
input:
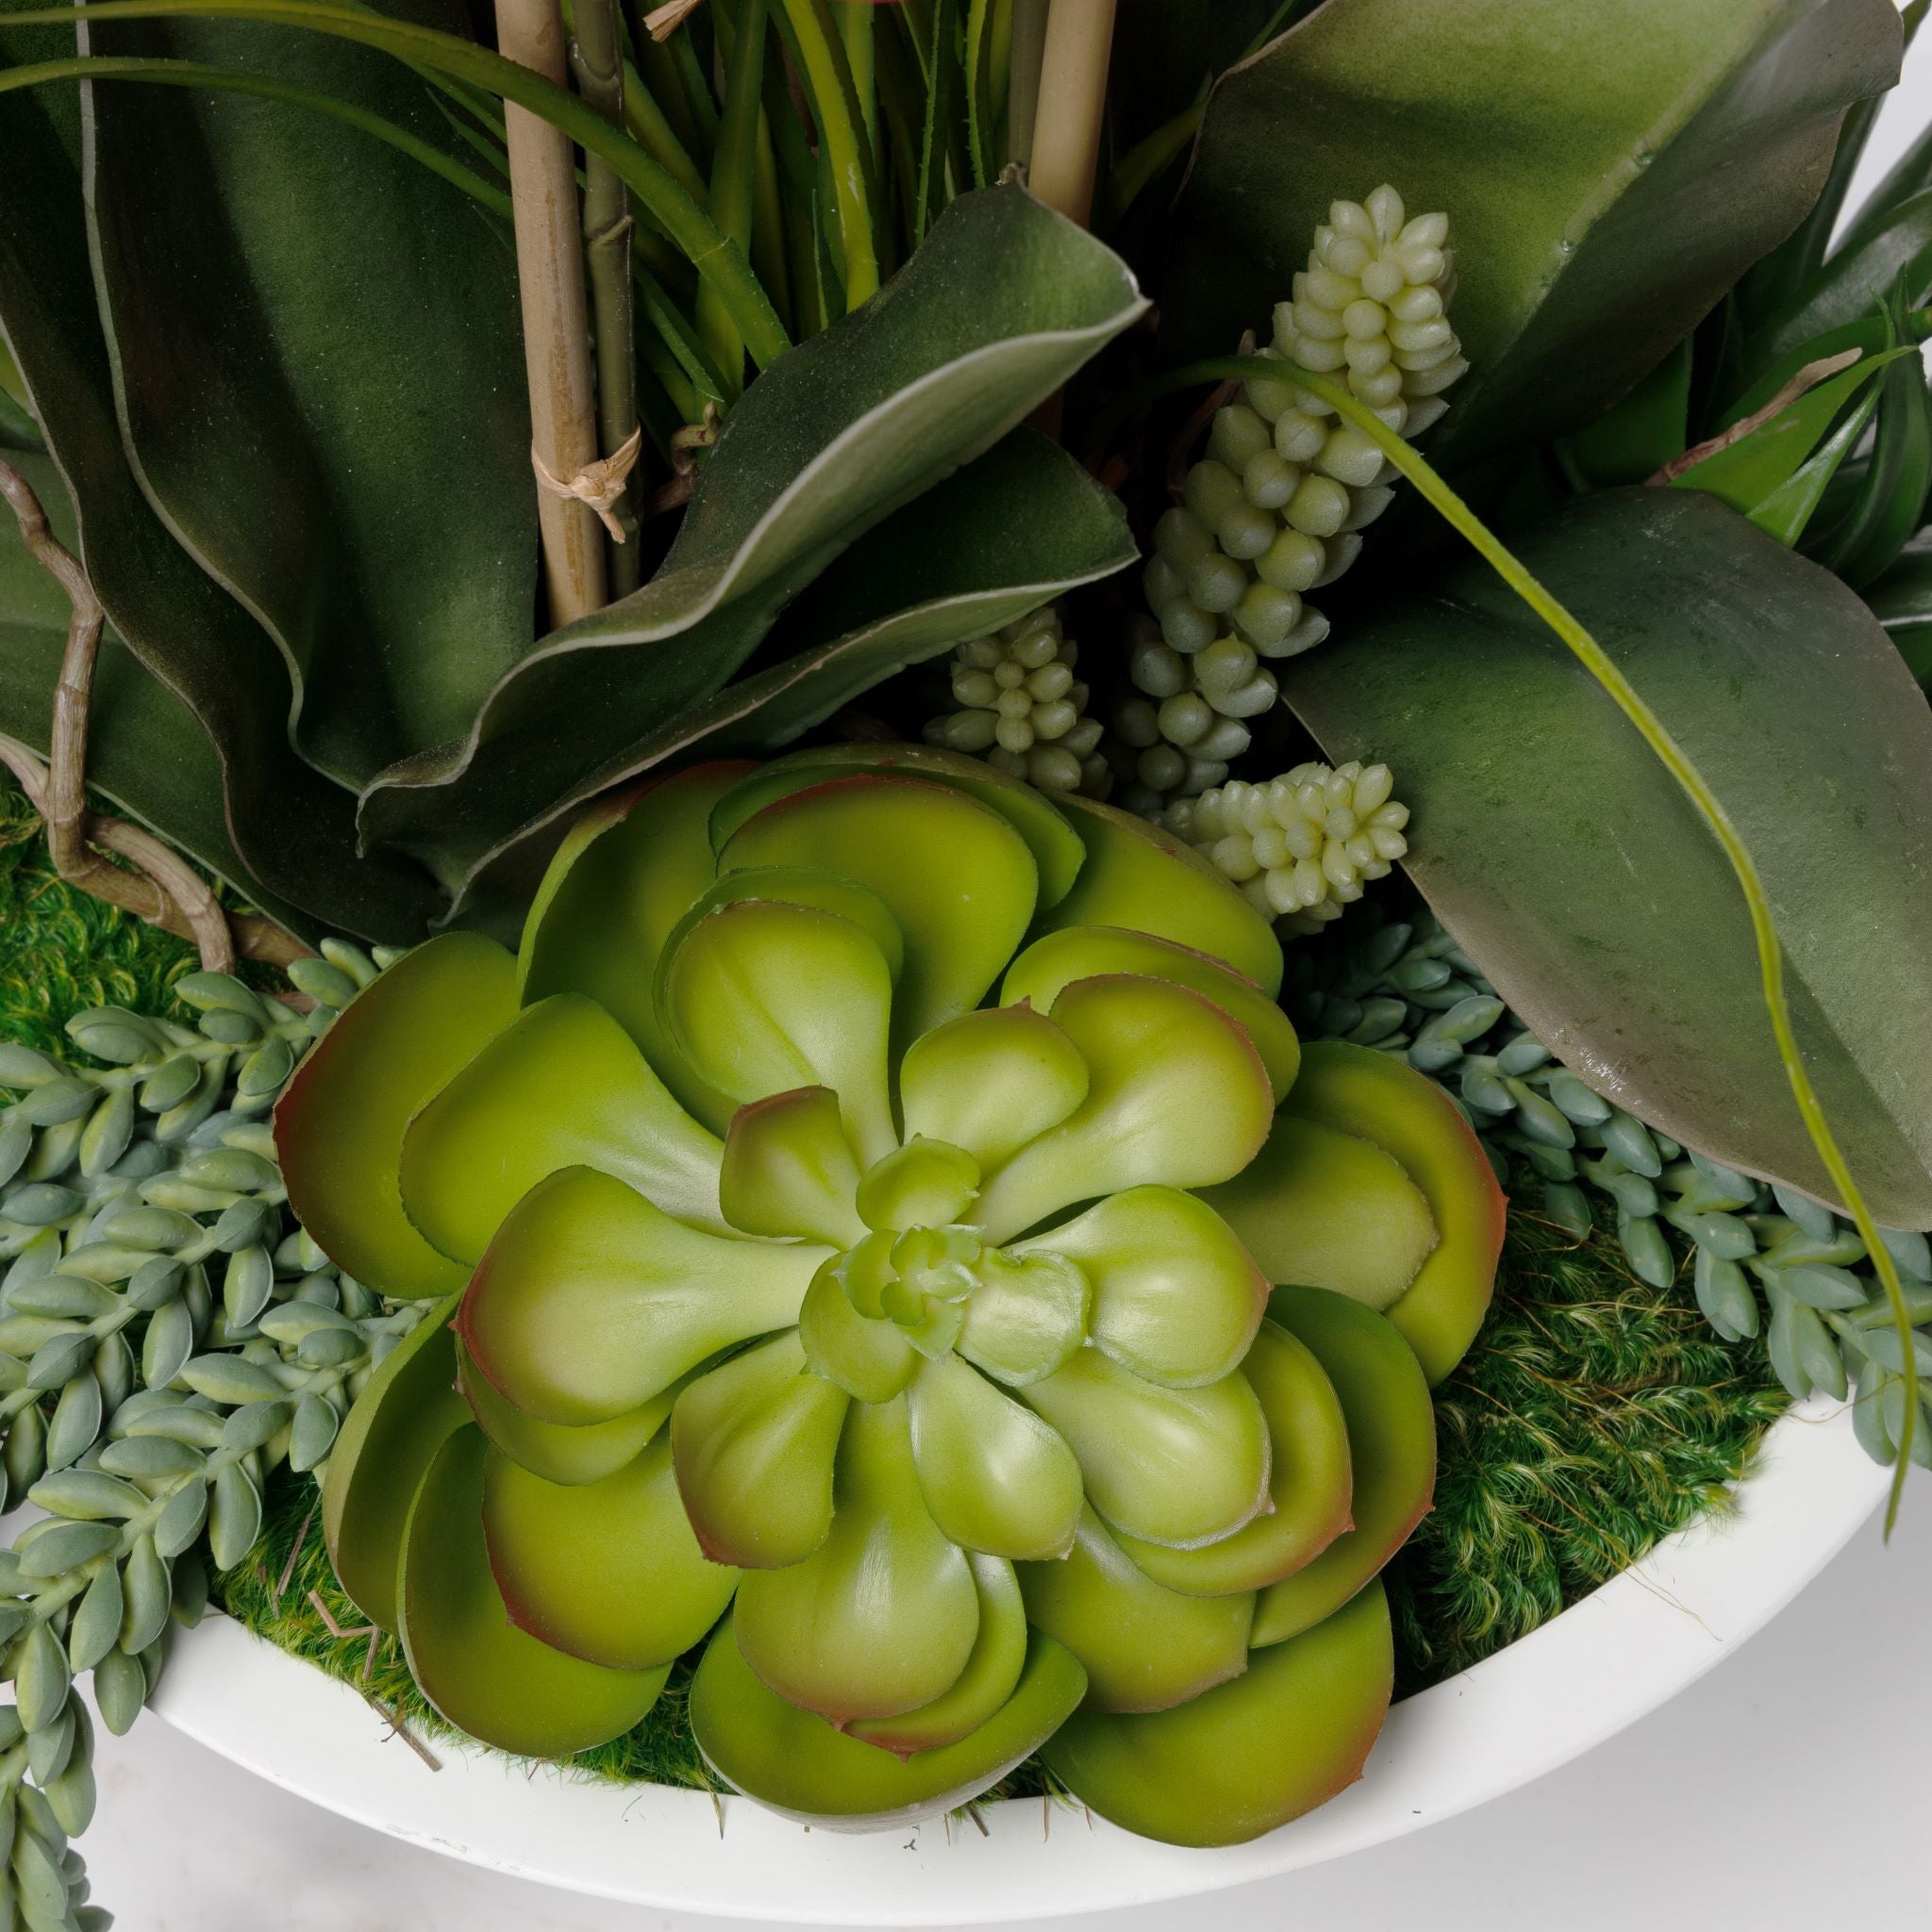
column 1564, row 141
column 1570, row 872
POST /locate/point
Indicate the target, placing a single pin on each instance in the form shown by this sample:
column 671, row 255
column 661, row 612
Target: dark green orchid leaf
column 147, row 754
column 1902, row 602
column 1891, row 504
column 1748, row 472
column 1636, row 437
column 836, row 435
column 1563, row 855
column 305, row 319
column 1774, row 282
column 1851, row 283
column 793, row 1761
column 1245, row 1756
column 216, row 753
column 1562, row 141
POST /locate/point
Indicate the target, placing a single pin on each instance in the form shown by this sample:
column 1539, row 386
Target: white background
column 1785, row 1789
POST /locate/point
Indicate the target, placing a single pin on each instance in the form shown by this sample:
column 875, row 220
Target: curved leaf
column 1001, row 306
column 1561, row 854
column 303, row 318
column 292, row 830
column 1562, row 141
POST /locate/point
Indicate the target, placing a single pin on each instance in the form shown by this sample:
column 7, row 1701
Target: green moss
column 1594, row 1415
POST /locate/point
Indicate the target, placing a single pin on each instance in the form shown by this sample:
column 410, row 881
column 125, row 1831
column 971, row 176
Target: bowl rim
column 1608, row 1660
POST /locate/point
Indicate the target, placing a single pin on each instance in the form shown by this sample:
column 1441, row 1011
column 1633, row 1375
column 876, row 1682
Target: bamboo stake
column 556, row 346
column 1073, row 99
column 596, row 57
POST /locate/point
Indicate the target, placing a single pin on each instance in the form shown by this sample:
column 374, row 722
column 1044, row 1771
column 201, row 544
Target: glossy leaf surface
column 1247, row 1756
column 1578, row 873
column 1562, row 141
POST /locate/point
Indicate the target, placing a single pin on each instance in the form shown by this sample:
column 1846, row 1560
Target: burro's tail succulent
column 855, row 1218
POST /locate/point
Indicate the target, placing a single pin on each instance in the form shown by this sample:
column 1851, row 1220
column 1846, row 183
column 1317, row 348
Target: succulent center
column 923, row 1283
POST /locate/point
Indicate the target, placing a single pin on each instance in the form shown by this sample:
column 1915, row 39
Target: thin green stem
column 819, row 55
column 715, row 258
column 1669, row 753
column 979, row 110
column 647, row 125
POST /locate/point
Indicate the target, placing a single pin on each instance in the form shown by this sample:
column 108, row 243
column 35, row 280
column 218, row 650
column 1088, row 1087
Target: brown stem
column 597, row 57
column 557, row 329
column 1073, row 99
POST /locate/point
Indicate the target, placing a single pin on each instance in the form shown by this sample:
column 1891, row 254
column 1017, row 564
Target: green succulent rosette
column 856, row 1214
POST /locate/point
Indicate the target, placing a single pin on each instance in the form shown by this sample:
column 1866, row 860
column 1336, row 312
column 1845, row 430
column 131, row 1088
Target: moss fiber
column 1594, row 1414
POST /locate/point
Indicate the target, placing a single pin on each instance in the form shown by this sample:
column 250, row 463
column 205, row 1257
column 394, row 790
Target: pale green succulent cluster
column 166, row 1338
column 1407, row 989
column 1023, row 708
column 1301, row 846
column 1277, row 505
column 852, row 1219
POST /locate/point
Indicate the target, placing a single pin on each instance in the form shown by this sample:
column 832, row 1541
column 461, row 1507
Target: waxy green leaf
column 584, row 1255
column 1392, row 1446
column 834, row 435
column 991, row 1081
column 1247, row 1756
column 789, row 1170
column 550, row 1450
column 480, row 1672
column 609, row 1571
column 1562, row 141
column 882, row 1617
column 1561, row 854
column 795, row 1763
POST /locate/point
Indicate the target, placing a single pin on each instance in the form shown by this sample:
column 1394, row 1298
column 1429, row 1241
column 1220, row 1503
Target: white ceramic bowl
column 1600, row 1666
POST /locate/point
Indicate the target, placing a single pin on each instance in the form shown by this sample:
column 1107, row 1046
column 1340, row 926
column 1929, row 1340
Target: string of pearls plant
column 1763, row 1259
column 1301, row 846
column 1277, row 505
column 167, row 1339
column 1023, row 708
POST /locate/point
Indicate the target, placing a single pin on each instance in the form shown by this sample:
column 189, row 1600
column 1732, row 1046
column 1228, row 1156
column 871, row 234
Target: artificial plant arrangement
column 517, row 479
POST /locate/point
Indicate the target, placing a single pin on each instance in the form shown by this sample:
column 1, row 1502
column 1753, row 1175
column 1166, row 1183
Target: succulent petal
column 753, row 1443
column 657, row 1593
column 1245, row 1756
column 793, row 1761
column 1310, row 1482
column 789, row 1169
column 991, row 1081
column 882, row 1617
column 1145, row 880
column 1176, row 1297
column 339, row 1124
column 1175, row 1466
column 925, row 1184
column 621, row 881
column 483, row 1674
column 562, row 1086
column 1177, row 1097
column 1026, row 1318
column 559, row 1454
column 1391, row 1435
column 1058, row 959
column 995, row 1476
column 993, row 1671
column 380, row 1456
column 591, row 1301
column 1143, row 1647
column 1054, row 845
column 868, row 1357
column 957, row 876
column 765, row 998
